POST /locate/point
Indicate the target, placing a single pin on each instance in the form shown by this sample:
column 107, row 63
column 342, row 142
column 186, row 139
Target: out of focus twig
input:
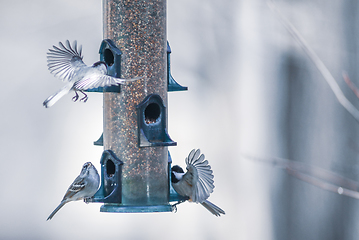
column 350, row 84
column 323, row 185
column 317, row 62
column 316, row 176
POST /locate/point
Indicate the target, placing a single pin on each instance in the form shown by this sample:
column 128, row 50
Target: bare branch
column 350, row 84
column 322, row 184
column 317, row 62
column 313, row 175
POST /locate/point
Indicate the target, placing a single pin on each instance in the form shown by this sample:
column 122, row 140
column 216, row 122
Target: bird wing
column 65, row 61
column 100, row 80
column 77, row 186
column 199, row 175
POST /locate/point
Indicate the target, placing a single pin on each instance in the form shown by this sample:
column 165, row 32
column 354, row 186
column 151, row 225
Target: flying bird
column 197, row 183
column 65, row 62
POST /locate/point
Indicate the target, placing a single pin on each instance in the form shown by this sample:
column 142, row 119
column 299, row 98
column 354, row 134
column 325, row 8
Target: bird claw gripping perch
column 174, row 206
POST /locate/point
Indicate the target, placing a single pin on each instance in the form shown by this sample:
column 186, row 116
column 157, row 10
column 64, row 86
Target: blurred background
column 251, row 90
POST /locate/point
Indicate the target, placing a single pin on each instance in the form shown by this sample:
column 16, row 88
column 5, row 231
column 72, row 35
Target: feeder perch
column 152, row 123
column 110, row 190
column 172, row 84
column 111, row 55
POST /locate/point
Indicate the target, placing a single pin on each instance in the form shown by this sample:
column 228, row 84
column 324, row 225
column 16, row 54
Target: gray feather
column 56, row 210
column 65, row 62
column 215, row 210
column 55, row 97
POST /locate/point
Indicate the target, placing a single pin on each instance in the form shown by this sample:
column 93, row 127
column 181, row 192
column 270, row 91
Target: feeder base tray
column 135, row 209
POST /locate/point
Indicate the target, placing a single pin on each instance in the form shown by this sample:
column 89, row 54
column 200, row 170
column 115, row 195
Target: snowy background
column 251, row 90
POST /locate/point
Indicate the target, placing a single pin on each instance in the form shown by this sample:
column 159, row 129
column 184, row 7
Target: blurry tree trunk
column 313, row 127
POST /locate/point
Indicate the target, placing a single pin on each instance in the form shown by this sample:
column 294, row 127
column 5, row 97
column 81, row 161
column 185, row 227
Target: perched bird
column 197, row 182
column 84, row 186
column 65, row 62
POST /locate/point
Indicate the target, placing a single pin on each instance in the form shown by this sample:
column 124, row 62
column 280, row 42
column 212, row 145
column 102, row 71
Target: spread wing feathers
column 76, row 187
column 200, row 176
column 65, row 61
column 96, row 80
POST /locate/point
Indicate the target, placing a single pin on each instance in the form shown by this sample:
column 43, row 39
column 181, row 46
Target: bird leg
column 174, row 206
column 84, row 99
column 88, row 200
column 75, row 97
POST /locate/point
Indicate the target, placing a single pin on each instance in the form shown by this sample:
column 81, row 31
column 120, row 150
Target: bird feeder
column 152, row 123
column 135, row 164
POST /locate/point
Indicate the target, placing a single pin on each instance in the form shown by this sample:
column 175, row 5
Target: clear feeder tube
column 138, row 28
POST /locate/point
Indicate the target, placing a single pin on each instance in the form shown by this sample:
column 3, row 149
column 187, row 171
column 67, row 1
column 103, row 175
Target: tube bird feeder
column 135, row 162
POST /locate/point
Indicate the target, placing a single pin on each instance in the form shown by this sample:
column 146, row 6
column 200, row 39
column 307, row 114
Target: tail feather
column 215, row 210
column 56, row 210
column 56, row 97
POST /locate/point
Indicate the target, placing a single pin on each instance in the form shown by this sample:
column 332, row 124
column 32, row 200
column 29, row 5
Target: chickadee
column 197, row 182
column 66, row 63
column 84, row 186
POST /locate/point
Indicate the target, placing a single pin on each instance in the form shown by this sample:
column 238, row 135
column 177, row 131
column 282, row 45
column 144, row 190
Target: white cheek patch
column 178, row 175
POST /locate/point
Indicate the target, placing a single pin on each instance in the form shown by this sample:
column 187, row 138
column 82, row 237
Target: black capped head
column 100, row 66
column 176, row 169
column 96, row 64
